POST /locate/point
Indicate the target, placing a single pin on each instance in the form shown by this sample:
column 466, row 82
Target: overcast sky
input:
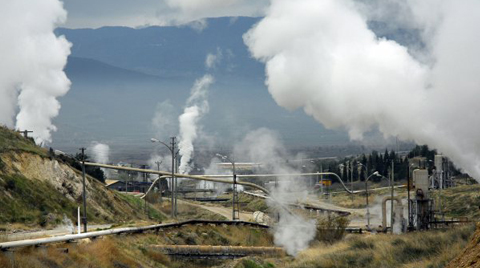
column 98, row 13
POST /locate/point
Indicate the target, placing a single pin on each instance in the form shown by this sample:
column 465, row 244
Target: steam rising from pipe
column 31, row 65
column 197, row 106
column 292, row 231
column 101, row 154
column 323, row 57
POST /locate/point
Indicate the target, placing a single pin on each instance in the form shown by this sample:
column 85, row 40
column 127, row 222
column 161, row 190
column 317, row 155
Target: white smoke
column 31, row 65
column 197, row 106
column 156, row 161
column 101, row 154
column 292, row 231
column 214, row 169
column 163, row 121
column 321, row 56
column 212, row 60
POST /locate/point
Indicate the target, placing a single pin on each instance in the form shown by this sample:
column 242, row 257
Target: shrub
column 331, row 229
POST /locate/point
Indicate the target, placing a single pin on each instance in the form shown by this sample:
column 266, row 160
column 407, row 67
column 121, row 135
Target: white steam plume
column 101, row 154
column 292, row 231
column 31, row 65
column 163, row 121
column 212, row 60
column 213, row 169
column 197, row 106
column 322, row 57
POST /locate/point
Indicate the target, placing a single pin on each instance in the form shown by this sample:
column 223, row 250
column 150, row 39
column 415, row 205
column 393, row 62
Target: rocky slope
column 38, row 189
column 470, row 256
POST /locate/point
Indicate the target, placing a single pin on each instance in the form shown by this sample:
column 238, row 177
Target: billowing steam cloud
column 197, row 106
column 101, row 154
column 31, row 65
column 292, row 231
column 323, row 57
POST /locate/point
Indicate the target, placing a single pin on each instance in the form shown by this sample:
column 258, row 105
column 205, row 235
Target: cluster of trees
column 357, row 167
column 75, row 162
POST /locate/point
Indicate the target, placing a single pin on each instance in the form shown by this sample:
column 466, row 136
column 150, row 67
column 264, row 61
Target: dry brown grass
column 188, row 212
column 420, row 249
column 134, row 250
column 359, row 201
column 98, row 253
column 4, row 261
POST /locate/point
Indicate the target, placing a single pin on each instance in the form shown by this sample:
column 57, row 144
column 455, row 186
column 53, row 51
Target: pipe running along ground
column 169, row 174
column 287, row 175
column 153, row 184
column 213, row 178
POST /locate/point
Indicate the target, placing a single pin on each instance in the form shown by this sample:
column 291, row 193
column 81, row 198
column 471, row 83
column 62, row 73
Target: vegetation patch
column 13, row 141
column 136, row 250
column 331, row 229
column 32, row 202
column 417, row 249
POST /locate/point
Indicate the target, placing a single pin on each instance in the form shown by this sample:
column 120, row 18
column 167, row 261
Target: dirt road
column 224, row 211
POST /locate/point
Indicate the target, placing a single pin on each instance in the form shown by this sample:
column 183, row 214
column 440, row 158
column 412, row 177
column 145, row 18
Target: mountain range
column 121, row 75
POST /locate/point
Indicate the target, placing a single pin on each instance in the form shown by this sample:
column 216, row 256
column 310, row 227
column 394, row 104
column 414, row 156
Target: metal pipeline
column 398, row 207
column 204, row 250
column 286, row 175
column 153, row 184
column 213, row 177
column 66, row 238
column 169, row 174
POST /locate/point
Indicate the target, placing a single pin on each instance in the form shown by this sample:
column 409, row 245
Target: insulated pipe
column 213, row 177
column 165, row 173
column 153, row 184
column 207, row 250
column 286, row 175
column 66, row 238
column 399, row 206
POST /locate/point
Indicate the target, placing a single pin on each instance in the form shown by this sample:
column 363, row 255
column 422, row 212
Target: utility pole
column 235, row 205
column 126, row 181
column 176, row 182
column 84, row 195
column 236, row 210
column 408, row 197
column 391, row 200
column 351, row 178
column 160, row 180
column 409, row 186
column 172, row 181
column 172, row 149
column 25, row 133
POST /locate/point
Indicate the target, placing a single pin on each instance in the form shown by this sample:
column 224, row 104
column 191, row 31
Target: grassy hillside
column 461, row 201
column 38, row 190
column 14, row 141
column 470, row 256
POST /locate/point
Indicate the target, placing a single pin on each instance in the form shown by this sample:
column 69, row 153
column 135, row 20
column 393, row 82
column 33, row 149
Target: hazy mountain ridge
column 119, row 75
column 169, row 51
